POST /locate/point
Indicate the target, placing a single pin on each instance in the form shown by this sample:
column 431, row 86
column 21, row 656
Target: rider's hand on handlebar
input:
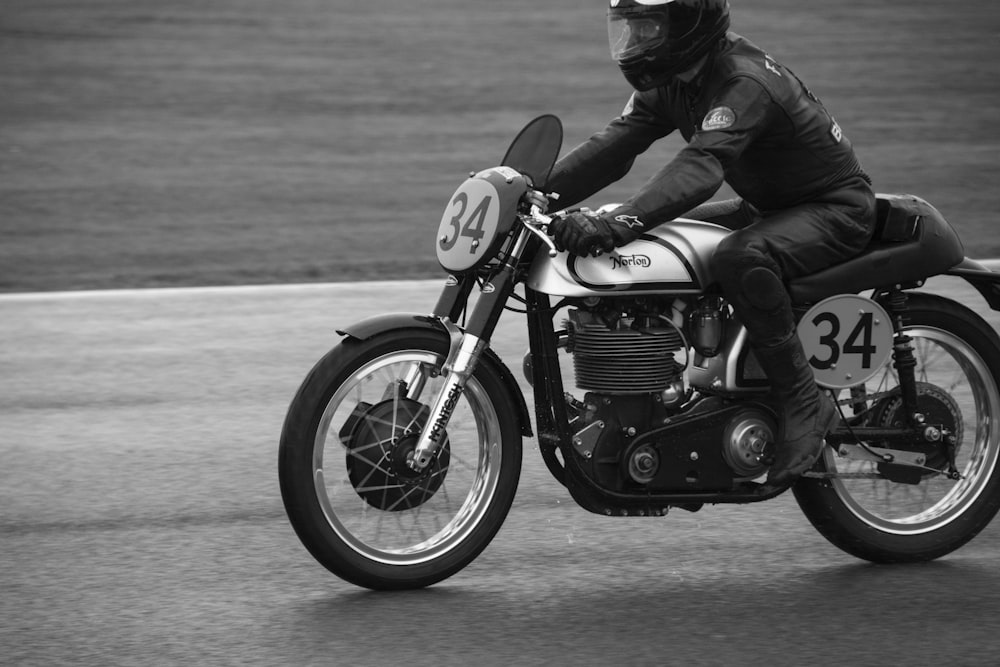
column 582, row 232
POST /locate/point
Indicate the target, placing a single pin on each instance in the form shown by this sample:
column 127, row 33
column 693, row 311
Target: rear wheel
column 343, row 462
column 923, row 514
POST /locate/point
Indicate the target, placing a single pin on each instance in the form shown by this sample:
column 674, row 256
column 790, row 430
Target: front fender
column 376, row 324
column 373, row 326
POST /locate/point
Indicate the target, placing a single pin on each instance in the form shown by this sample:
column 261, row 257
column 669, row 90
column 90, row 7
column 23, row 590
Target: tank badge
column 626, row 261
column 718, row 118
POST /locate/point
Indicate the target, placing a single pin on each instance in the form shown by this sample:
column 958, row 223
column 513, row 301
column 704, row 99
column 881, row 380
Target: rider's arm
column 608, row 155
column 736, row 116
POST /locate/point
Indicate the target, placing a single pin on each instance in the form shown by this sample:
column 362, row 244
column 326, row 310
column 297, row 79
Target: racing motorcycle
column 401, row 451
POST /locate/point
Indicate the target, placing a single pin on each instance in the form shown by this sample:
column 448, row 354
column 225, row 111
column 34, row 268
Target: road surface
column 141, row 523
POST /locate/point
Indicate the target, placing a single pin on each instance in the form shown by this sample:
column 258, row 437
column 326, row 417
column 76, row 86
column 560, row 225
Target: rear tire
column 958, row 363
column 353, row 501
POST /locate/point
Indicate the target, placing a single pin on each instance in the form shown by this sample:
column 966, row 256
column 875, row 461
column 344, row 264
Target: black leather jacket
column 748, row 121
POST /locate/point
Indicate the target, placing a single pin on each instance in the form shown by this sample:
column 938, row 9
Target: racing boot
column 751, row 281
column 805, row 415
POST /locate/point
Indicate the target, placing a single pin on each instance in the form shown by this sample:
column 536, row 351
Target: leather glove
column 583, row 232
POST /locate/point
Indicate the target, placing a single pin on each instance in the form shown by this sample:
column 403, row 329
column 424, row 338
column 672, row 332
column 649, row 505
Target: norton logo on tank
column 622, row 261
column 646, row 261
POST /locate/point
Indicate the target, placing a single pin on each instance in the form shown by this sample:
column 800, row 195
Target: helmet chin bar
column 651, row 75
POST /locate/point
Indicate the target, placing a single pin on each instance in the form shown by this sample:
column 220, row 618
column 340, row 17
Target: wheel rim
column 448, row 504
column 949, row 363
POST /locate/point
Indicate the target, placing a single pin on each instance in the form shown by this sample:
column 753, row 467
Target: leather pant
column 768, row 248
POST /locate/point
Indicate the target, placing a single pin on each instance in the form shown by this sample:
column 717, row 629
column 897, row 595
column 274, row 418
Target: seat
column 912, row 242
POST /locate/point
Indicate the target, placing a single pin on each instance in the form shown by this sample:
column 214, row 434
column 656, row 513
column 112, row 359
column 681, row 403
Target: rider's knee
column 745, row 271
column 763, row 289
column 738, row 252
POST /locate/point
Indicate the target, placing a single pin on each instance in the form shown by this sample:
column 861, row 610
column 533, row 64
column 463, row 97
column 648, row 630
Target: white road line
column 332, row 288
column 157, row 292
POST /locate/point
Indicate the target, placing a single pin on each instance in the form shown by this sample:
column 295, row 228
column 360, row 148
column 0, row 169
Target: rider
column 804, row 201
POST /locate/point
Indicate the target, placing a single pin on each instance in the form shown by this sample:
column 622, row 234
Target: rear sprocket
column 939, row 409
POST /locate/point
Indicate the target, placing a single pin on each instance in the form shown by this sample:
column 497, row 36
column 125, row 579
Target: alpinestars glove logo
column 629, row 220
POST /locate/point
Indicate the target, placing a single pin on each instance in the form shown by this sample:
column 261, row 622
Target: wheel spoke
column 387, row 512
column 956, row 390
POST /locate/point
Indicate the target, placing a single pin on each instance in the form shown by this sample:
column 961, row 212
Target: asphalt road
column 141, row 523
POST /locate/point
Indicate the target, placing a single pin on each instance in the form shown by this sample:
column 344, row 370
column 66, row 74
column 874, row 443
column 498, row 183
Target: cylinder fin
column 624, row 360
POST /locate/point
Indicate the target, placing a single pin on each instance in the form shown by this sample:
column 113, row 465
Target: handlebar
column 534, row 221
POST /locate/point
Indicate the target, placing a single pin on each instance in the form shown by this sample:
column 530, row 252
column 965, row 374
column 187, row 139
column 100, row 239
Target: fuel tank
column 673, row 257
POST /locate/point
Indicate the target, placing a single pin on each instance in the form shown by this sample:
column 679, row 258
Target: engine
column 638, row 428
column 627, row 356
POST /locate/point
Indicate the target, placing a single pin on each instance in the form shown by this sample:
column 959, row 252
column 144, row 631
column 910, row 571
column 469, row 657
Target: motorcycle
column 401, row 451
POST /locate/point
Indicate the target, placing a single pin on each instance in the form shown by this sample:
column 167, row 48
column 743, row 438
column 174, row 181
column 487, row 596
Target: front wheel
column 922, row 516
column 355, row 503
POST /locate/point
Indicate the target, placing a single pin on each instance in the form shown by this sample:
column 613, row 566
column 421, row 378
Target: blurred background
column 223, row 142
column 145, row 143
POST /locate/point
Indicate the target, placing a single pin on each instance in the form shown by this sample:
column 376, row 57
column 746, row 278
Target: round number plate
column 469, row 225
column 847, row 339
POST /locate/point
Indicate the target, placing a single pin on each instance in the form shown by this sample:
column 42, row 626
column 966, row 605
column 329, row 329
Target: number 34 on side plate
column 847, row 340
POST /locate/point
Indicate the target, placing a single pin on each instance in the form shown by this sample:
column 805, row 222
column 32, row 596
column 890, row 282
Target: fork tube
column 454, row 297
column 414, row 381
column 495, row 292
column 462, row 358
column 466, row 348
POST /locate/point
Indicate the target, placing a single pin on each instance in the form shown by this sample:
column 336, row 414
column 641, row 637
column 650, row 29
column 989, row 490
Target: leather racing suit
column 748, row 121
column 804, row 204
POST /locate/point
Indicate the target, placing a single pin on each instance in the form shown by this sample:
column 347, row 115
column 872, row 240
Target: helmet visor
column 635, row 37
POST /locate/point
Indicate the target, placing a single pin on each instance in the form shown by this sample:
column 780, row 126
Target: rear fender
column 979, row 276
column 373, row 326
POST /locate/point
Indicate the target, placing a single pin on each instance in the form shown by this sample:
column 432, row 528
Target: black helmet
column 653, row 40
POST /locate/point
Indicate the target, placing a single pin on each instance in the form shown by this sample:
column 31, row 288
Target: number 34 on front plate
column 478, row 217
column 469, row 224
column 847, row 339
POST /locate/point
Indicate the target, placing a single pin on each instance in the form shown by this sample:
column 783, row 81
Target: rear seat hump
column 912, row 242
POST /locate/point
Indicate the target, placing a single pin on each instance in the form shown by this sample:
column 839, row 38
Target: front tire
column 353, row 501
column 873, row 518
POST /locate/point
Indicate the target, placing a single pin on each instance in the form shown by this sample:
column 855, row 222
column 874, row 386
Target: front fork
column 466, row 347
column 463, row 353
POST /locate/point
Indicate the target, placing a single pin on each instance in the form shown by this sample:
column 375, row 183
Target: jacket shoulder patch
column 718, row 118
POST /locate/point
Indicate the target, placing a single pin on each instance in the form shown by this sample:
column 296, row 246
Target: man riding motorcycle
column 804, row 201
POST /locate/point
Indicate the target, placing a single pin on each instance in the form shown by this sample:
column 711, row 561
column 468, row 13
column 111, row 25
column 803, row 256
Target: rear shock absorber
column 902, row 354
